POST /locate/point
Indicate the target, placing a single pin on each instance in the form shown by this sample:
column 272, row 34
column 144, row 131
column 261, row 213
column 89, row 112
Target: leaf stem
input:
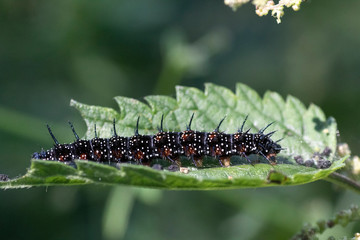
column 343, row 181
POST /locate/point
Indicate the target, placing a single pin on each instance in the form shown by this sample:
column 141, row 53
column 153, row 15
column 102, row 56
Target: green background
column 53, row 51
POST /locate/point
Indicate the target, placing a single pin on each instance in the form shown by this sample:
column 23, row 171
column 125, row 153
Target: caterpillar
column 142, row 149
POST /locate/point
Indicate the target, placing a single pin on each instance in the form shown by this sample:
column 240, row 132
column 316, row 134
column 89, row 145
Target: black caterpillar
column 142, row 149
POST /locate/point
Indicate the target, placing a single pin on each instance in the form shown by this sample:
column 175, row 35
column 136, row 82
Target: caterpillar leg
column 221, row 164
column 174, row 162
column 270, row 161
column 197, row 162
column 168, row 158
column 247, row 158
column 225, row 161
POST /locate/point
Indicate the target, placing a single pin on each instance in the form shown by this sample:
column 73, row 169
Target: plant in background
column 263, row 7
column 342, row 218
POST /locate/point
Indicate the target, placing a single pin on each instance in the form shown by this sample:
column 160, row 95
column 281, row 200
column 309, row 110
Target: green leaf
column 305, row 131
column 241, row 176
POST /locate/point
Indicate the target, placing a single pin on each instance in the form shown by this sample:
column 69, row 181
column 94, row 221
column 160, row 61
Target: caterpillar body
column 142, row 149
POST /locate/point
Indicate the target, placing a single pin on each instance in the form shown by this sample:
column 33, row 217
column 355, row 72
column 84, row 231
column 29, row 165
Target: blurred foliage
column 52, row 51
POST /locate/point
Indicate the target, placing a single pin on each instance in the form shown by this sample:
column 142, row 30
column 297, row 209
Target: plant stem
column 343, row 181
column 342, row 218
